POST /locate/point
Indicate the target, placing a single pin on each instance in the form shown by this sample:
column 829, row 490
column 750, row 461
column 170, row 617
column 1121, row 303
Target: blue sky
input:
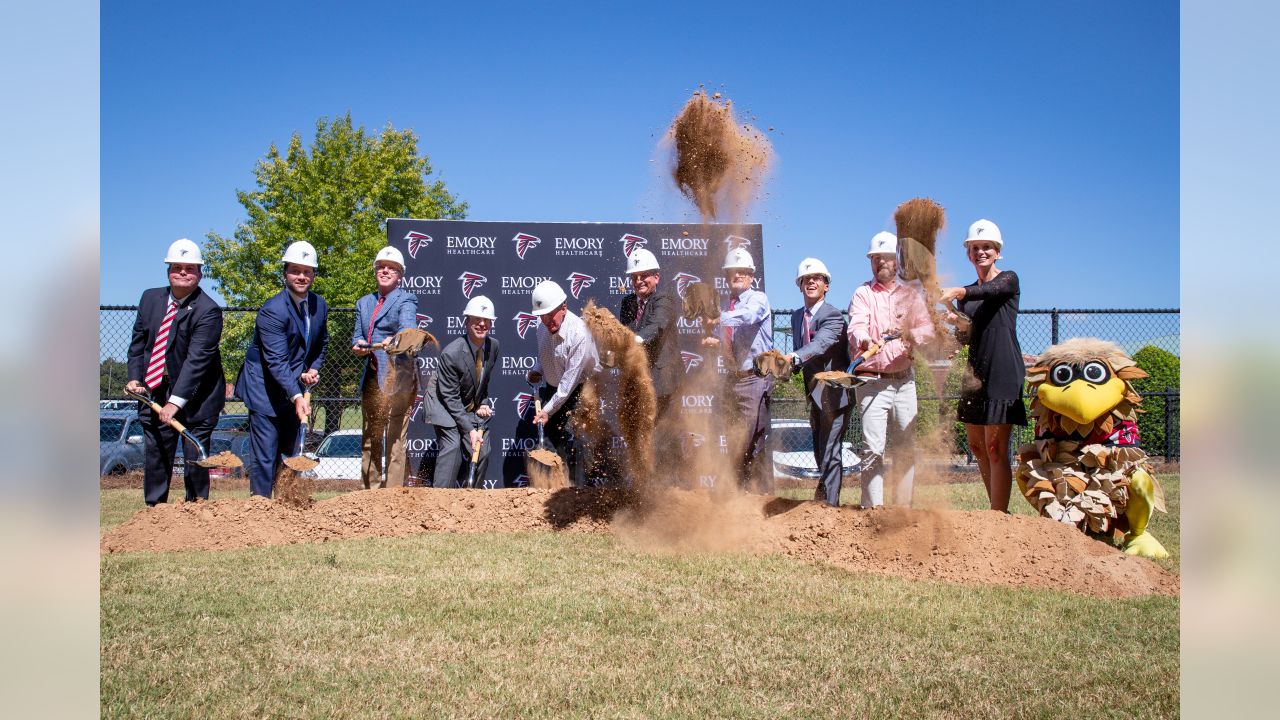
column 1059, row 121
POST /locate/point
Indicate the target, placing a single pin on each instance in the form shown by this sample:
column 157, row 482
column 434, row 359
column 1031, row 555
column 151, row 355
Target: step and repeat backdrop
column 450, row 261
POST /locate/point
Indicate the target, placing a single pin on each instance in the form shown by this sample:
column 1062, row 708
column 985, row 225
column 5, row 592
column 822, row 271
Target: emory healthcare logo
column 631, row 242
column 523, row 242
column 524, row 321
column 691, row 360
column 683, row 281
column 416, row 241
column 423, row 321
column 735, row 241
column 471, row 281
column 523, row 401
column 579, row 282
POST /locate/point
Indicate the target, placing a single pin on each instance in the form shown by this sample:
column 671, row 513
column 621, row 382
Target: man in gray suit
column 651, row 313
column 819, row 332
column 455, row 401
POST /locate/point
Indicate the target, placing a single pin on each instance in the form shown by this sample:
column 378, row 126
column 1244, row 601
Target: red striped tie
column 155, row 370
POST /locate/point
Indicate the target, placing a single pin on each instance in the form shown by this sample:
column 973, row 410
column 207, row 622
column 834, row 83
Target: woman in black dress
column 991, row 400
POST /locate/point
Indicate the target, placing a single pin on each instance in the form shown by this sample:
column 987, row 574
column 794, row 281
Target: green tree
column 1164, row 370
column 112, row 375
column 951, row 394
column 336, row 194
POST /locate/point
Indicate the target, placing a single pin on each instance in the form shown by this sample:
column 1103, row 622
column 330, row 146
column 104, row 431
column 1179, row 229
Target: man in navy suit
column 174, row 355
column 289, row 339
column 819, row 331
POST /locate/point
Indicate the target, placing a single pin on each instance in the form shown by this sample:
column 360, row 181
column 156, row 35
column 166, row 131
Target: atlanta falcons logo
column 417, row 241
column 523, row 242
column 631, row 242
column 579, row 282
column 423, row 321
column 691, row 360
column 471, row 281
column 521, row 481
column 691, row 440
column 524, row 401
column 417, row 407
column 683, row 281
column 735, row 241
column 524, row 321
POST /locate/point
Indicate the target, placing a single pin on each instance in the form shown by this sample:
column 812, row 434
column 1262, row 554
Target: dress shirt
column 875, row 309
column 751, row 324
column 565, row 358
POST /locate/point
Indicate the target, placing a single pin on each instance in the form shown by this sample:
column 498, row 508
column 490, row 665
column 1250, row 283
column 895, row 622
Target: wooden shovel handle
column 155, row 407
column 475, row 451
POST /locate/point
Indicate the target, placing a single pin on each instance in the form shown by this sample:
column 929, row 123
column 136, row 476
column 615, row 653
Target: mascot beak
column 1082, row 400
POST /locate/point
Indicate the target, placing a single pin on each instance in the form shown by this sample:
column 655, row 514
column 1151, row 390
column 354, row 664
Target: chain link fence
column 337, row 398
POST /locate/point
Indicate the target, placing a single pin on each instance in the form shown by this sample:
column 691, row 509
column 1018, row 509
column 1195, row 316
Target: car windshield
column 109, row 429
column 793, row 439
column 340, row 446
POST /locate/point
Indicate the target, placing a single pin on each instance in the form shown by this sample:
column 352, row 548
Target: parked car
column 792, row 444
column 119, row 442
column 338, row 456
column 118, row 405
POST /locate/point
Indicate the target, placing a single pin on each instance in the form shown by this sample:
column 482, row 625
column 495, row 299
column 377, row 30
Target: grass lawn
column 555, row 625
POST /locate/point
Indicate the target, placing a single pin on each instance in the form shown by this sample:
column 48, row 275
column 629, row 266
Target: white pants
column 888, row 408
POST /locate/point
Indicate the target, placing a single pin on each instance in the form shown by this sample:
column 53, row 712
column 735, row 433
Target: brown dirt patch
column 719, row 162
column 546, row 470
column 224, row 459
column 969, row 548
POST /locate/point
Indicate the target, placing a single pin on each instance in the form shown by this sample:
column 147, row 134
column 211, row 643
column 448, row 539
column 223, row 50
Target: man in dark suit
column 289, row 339
column 818, row 330
column 174, row 355
column 652, row 313
column 455, row 401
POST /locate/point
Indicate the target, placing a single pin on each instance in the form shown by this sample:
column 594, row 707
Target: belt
column 901, row 375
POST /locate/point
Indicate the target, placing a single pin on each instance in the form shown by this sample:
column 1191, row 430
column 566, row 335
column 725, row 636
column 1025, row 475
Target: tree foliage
column 112, row 375
column 1164, row 369
column 337, row 194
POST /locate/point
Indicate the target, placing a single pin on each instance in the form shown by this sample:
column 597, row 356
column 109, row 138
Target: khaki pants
column 396, row 420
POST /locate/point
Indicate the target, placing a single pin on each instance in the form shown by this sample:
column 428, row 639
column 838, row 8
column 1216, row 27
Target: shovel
column 550, row 466
column 475, row 458
column 847, row 380
column 300, row 462
column 203, row 459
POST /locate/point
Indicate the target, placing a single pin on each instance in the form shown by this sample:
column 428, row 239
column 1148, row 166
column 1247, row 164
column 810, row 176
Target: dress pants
column 161, row 446
column 561, row 436
column 888, row 410
column 829, row 423
column 453, row 459
column 755, row 464
column 395, row 419
column 271, row 439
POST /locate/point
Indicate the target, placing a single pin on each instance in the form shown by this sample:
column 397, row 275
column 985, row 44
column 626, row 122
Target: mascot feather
column 1085, row 467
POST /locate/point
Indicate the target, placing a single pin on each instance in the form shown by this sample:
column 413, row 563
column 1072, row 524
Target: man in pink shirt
column 887, row 401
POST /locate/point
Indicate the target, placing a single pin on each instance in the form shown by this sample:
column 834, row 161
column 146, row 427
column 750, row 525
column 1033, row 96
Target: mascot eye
column 1062, row 374
column 1095, row 372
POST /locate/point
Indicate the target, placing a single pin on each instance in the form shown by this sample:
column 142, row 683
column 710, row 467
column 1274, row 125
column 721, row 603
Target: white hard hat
column 547, row 296
column 390, row 254
column 883, row 243
column 300, row 253
column 985, row 230
column 739, row 258
column 481, row 307
column 812, row 266
column 184, row 251
column 641, row 260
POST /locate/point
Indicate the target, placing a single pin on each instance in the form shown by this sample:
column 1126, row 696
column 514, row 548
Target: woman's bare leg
column 977, row 437
column 1000, row 474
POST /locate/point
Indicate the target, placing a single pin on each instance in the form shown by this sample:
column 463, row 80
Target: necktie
column 306, row 325
column 733, row 302
column 808, row 329
column 155, row 369
column 640, row 312
column 373, row 359
column 475, row 394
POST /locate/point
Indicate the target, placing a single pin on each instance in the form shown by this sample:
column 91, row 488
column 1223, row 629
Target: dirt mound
column 972, row 548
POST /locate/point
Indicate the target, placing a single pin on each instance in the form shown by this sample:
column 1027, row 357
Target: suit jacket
column 828, row 350
column 398, row 311
column 279, row 353
column 658, row 328
column 453, row 393
column 192, row 358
